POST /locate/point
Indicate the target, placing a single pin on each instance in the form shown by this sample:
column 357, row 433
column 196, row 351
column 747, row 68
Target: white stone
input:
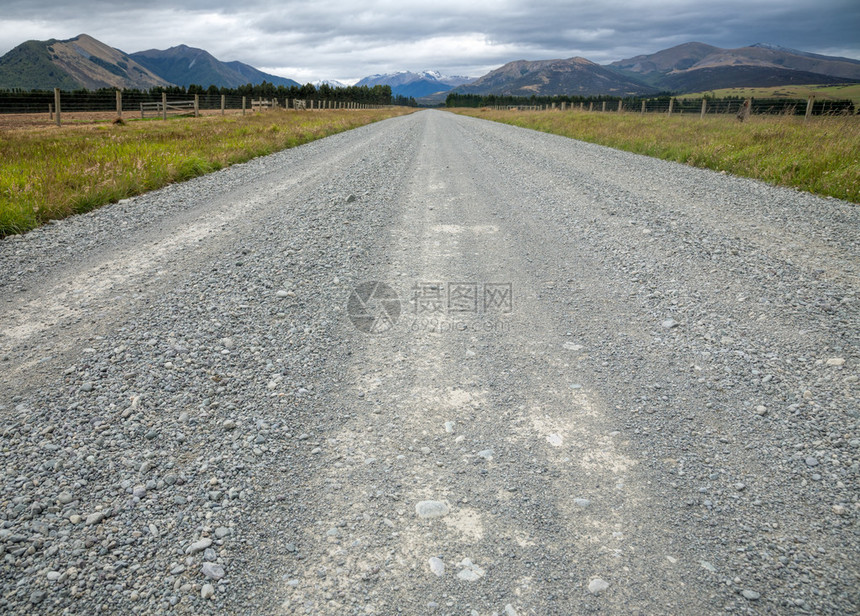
column 431, row 509
column 554, row 439
column 437, row 566
column 469, row 572
column 597, row 586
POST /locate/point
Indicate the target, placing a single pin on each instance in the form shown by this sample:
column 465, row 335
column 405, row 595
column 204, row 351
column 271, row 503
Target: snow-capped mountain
column 407, row 83
column 334, row 83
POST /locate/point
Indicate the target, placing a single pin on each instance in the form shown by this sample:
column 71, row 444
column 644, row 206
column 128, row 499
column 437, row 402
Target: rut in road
column 614, row 385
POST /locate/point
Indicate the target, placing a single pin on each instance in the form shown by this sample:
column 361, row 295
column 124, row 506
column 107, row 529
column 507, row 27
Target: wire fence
column 83, row 106
column 700, row 106
column 34, row 108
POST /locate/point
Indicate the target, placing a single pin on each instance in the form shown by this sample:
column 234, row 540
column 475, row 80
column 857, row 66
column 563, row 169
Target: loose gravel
column 615, row 385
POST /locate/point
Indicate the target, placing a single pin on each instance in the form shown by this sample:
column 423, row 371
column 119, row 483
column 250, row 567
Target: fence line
column 116, row 104
column 742, row 108
column 57, row 105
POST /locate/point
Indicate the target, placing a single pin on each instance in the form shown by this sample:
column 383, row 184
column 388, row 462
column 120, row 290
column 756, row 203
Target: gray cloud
column 344, row 40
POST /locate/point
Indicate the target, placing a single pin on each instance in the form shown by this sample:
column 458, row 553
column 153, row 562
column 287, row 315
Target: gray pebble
column 212, row 571
column 198, row 546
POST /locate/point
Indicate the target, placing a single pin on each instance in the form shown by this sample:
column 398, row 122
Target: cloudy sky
column 347, row 40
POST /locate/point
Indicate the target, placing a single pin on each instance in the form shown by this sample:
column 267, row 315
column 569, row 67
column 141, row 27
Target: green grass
column 849, row 91
column 51, row 173
column 821, row 156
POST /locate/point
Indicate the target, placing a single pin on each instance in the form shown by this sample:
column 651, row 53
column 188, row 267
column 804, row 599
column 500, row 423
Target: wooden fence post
column 244, row 104
column 704, row 107
column 223, row 103
column 57, row 104
column 671, row 105
column 744, row 111
column 196, row 105
column 603, row 106
column 809, row 102
column 164, row 105
column 51, row 111
column 619, row 106
column 643, row 106
column 119, row 104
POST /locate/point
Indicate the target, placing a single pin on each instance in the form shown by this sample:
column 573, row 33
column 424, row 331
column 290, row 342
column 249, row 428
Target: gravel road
column 592, row 382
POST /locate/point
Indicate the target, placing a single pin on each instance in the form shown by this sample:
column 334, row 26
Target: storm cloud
column 346, row 40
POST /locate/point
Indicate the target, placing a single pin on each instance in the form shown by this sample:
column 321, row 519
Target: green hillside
column 849, row 91
column 29, row 67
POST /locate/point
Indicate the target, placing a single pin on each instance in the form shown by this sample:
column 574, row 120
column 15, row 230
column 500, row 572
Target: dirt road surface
column 435, row 365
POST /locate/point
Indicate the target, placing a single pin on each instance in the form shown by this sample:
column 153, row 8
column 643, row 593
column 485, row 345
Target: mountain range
column 406, row 83
column 691, row 67
column 81, row 62
column 574, row 76
column 84, row 62
column 332, row 83
column 183, row 65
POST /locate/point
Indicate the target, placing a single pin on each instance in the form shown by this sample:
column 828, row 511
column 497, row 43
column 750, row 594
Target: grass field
column 50, row 173
column 849, row 91
column 821, row 156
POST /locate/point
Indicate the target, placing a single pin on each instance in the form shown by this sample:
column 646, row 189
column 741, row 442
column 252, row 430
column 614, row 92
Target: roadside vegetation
column 821, row 156
column 49, row 173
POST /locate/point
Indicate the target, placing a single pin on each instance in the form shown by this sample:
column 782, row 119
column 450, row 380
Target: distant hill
column 573, row 76
column 406, row 83
column 84, row 62
column 183, row 66
column 81, row 62
column 694, row 67
column 691, row 67
column 718, row 77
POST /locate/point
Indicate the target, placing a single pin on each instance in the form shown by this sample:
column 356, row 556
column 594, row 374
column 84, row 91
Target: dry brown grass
column 50, row 172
